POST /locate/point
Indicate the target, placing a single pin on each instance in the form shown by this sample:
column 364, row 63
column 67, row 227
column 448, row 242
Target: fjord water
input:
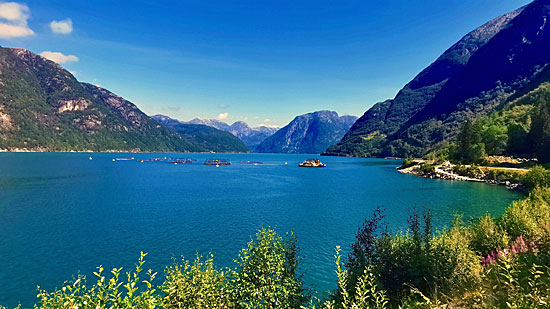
column 62, row 213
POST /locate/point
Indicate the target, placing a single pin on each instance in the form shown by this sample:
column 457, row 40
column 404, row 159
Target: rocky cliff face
column 373, row 133
column 309, row 133
column 43, row 107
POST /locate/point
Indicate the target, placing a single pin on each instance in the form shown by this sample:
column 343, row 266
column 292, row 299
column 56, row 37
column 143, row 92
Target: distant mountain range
column 251, row 137
column 44, row 108
column 492, row 65
column 309, row 133
column 207, row 136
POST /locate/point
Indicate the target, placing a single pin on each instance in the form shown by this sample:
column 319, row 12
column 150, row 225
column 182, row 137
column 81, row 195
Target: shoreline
column 445, row 171
column 33, row 150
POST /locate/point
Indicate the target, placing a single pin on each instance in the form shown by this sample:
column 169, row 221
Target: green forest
column 520, row 128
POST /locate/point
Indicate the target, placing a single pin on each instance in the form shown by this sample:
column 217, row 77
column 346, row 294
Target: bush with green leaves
column 266, row 276
column 266, row 273
column 498, row 174
column 455, row 266
column 537, row 176
column 198, row 285
column 365, row 293
column 487, row 235
column 471, row 171
column 114, row 292
column 426, row 168
column 437, row 265
column 530, row 217
column 407, row 162
column 519, row 280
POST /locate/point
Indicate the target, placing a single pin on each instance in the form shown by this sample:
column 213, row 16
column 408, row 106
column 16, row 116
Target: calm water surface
column 61, row 214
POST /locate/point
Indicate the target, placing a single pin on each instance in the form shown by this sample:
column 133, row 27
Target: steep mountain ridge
column 368, row 136
column 308, row 133
column 44, row 108
column 515, row 56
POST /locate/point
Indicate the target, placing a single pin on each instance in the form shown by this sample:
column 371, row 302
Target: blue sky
column 259, row 61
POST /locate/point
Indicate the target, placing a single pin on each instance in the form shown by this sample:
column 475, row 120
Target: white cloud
column 223, row 106
column 58, row 57
column 222, row 116
column 62, row 26
column 267, row 120
column 13, row 20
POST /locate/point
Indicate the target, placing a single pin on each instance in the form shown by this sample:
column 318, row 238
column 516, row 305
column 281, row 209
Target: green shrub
column 454, row 264
column 106, row 293
column 516, row 282
column 404, row 259
column 537, row 176
column 529, row 217
column 266, row 274
column 503, row 175
column 196, row 286
column 365, row 293
column 407, row 162
column 487, row 235
column 426, row 168
column 469, row 171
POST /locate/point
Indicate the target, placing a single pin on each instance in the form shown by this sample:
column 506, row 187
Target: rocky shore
column 448, row 171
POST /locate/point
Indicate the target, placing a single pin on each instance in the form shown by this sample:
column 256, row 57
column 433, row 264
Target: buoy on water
column 90, row 158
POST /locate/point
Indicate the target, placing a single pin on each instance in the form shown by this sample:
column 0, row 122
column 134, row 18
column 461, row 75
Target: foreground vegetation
column 489, row 262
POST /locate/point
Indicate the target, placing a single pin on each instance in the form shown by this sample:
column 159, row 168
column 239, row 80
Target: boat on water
column 312, row 163
column 216, row 162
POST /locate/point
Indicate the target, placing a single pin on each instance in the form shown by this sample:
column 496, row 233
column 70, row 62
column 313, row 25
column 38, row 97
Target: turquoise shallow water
column 61, row 213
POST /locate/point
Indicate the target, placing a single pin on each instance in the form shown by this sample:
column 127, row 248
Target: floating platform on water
column 216, row 162
column 123, row 159
column 312, row 163
column 251, row 162
column 181, row 160
column 150, row 160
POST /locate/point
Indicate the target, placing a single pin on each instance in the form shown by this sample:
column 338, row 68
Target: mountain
column 44, row 108
column 472, row 78
column 207, row 137
column 220, row 125
column 251, row 137
column 309, row 133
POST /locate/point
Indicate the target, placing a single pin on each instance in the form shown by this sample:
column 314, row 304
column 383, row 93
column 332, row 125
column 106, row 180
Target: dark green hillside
column 44, row 108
